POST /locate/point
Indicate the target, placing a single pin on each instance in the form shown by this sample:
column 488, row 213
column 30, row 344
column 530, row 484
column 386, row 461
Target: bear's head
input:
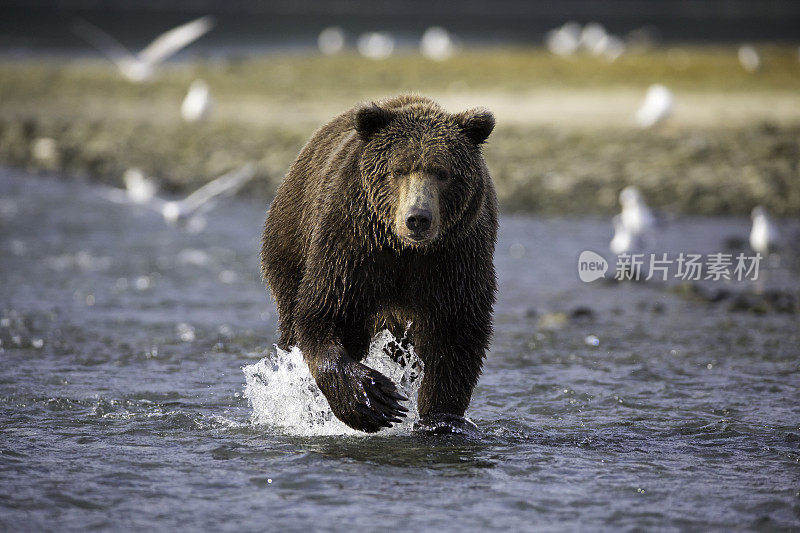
column 422, row 168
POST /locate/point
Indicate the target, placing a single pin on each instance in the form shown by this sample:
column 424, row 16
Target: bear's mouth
column 417, row 239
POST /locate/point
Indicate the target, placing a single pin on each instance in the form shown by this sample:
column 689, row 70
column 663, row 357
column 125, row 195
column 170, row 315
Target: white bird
column 636, row 216
column 611, row 47
column 624, row 241
column 44, row 148
column 204, row 198
column 197, row 104
column 642, row 38
column 749, row 58
column 765, row 237
column 188, row 211
column 331, row 40
column 564, row 41
column 139, row 188
column 437, row 44
column 592, row 37
column 140, row 67
column 657, row 106
column 375, row 45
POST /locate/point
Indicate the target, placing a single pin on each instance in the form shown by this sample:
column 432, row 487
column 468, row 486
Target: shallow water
column 122, row 393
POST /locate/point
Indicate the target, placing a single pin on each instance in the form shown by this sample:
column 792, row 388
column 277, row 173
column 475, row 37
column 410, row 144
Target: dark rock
column 582, row 313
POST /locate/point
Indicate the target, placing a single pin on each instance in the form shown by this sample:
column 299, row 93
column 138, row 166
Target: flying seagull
column 203, row 199
column 140, row 67
column 139, row 189
column 188, row 211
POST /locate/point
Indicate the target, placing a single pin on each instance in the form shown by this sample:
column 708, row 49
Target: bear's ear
column 370, row 119
column 477, row 124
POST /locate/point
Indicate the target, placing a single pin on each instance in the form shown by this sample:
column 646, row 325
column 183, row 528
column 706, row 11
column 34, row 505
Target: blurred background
column 250, row 25
column 565, row 80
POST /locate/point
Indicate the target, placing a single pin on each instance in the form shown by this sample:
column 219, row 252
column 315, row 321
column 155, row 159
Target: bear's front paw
column 361, row 397
column 443, row 423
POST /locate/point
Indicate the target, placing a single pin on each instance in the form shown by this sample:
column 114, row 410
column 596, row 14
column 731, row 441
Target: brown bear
column 388, row 217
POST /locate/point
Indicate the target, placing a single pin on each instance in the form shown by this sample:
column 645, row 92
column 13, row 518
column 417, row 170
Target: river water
column 135, row 393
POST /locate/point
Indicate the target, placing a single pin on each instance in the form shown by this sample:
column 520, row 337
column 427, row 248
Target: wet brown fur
column 339, row 272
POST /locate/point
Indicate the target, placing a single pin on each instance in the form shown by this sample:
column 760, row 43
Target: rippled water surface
column 601, row 407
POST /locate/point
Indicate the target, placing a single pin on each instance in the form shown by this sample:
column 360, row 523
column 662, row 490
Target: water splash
column 285, row 396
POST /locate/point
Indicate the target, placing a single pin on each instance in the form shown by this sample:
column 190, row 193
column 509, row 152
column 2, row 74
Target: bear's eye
column 443, row 175
column 399, row 172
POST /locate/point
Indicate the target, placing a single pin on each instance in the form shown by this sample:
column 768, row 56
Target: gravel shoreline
column 80, row 119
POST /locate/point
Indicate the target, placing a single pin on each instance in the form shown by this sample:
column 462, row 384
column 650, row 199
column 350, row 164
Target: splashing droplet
column 284, row 395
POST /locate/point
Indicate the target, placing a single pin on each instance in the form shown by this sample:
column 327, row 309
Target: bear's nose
column 418, row 220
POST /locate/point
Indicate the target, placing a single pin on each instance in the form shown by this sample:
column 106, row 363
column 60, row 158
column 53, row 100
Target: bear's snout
column 418, row 220
column 417, row 216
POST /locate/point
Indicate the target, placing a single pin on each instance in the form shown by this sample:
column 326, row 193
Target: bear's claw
column 361, row 397
column 379, row 403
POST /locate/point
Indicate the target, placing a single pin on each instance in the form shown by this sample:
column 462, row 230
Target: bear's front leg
column 330, row 326
column 453, row 359
column 359, row 396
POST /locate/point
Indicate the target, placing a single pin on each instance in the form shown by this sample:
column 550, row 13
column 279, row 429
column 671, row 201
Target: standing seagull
column 636, row 216
column 140, row 67
column 749, row 58
column 331, row 40
column 437, row 44
column 764, row 236
column 657, row 106
column 198, row 103
column 592, row 37
column 375, row 45
column 624, row 241
column 564, row 41
column 634, row 225
column 611, row 47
